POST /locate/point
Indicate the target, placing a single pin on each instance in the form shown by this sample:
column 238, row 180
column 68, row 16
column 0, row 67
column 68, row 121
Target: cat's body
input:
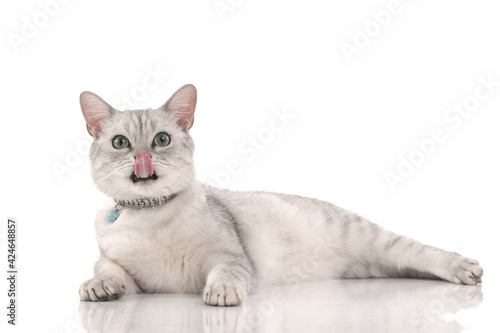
column 220, row 243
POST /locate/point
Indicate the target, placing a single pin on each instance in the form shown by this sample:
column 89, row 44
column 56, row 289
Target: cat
column 162, row 231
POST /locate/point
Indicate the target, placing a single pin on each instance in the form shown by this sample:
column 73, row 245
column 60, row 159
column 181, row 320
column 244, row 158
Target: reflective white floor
column 377, row 305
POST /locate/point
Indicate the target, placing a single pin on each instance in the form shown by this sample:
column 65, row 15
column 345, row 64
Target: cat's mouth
column 136, row 179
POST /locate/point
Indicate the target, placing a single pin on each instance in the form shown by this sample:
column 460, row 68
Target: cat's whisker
column 114, row 170
column 173, row 171
column 166, row 164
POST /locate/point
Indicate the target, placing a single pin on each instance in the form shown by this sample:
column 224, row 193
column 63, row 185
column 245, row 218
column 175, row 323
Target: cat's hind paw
column 222, row 294
column 467, row 271
column 102, row 290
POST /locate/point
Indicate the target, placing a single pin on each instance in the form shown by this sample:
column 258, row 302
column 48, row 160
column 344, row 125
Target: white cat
column 164, row 232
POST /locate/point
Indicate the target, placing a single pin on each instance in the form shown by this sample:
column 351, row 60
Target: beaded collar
column 146, row 202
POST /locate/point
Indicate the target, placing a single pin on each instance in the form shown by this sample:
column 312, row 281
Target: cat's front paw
column 102, row 290
column 467, row 271
column 223, row 294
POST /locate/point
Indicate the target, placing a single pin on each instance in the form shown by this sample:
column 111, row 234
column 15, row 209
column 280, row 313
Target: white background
column 353, row 119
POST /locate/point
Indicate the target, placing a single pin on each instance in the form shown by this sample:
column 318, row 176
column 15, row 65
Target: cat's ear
column 95, row 110
column 182, row 104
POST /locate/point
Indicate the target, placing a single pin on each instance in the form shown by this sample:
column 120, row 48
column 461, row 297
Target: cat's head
column 141, row 153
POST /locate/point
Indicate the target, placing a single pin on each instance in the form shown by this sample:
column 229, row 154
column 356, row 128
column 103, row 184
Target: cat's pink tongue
column 143, row 165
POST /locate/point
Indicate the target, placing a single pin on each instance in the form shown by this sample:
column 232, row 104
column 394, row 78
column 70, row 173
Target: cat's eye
column 161, row 140
column 120, row 142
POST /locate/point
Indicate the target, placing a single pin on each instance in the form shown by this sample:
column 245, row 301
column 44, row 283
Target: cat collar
column 146, row 202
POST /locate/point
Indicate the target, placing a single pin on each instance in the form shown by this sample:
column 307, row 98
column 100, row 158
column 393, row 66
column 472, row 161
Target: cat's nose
column 143, row 165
